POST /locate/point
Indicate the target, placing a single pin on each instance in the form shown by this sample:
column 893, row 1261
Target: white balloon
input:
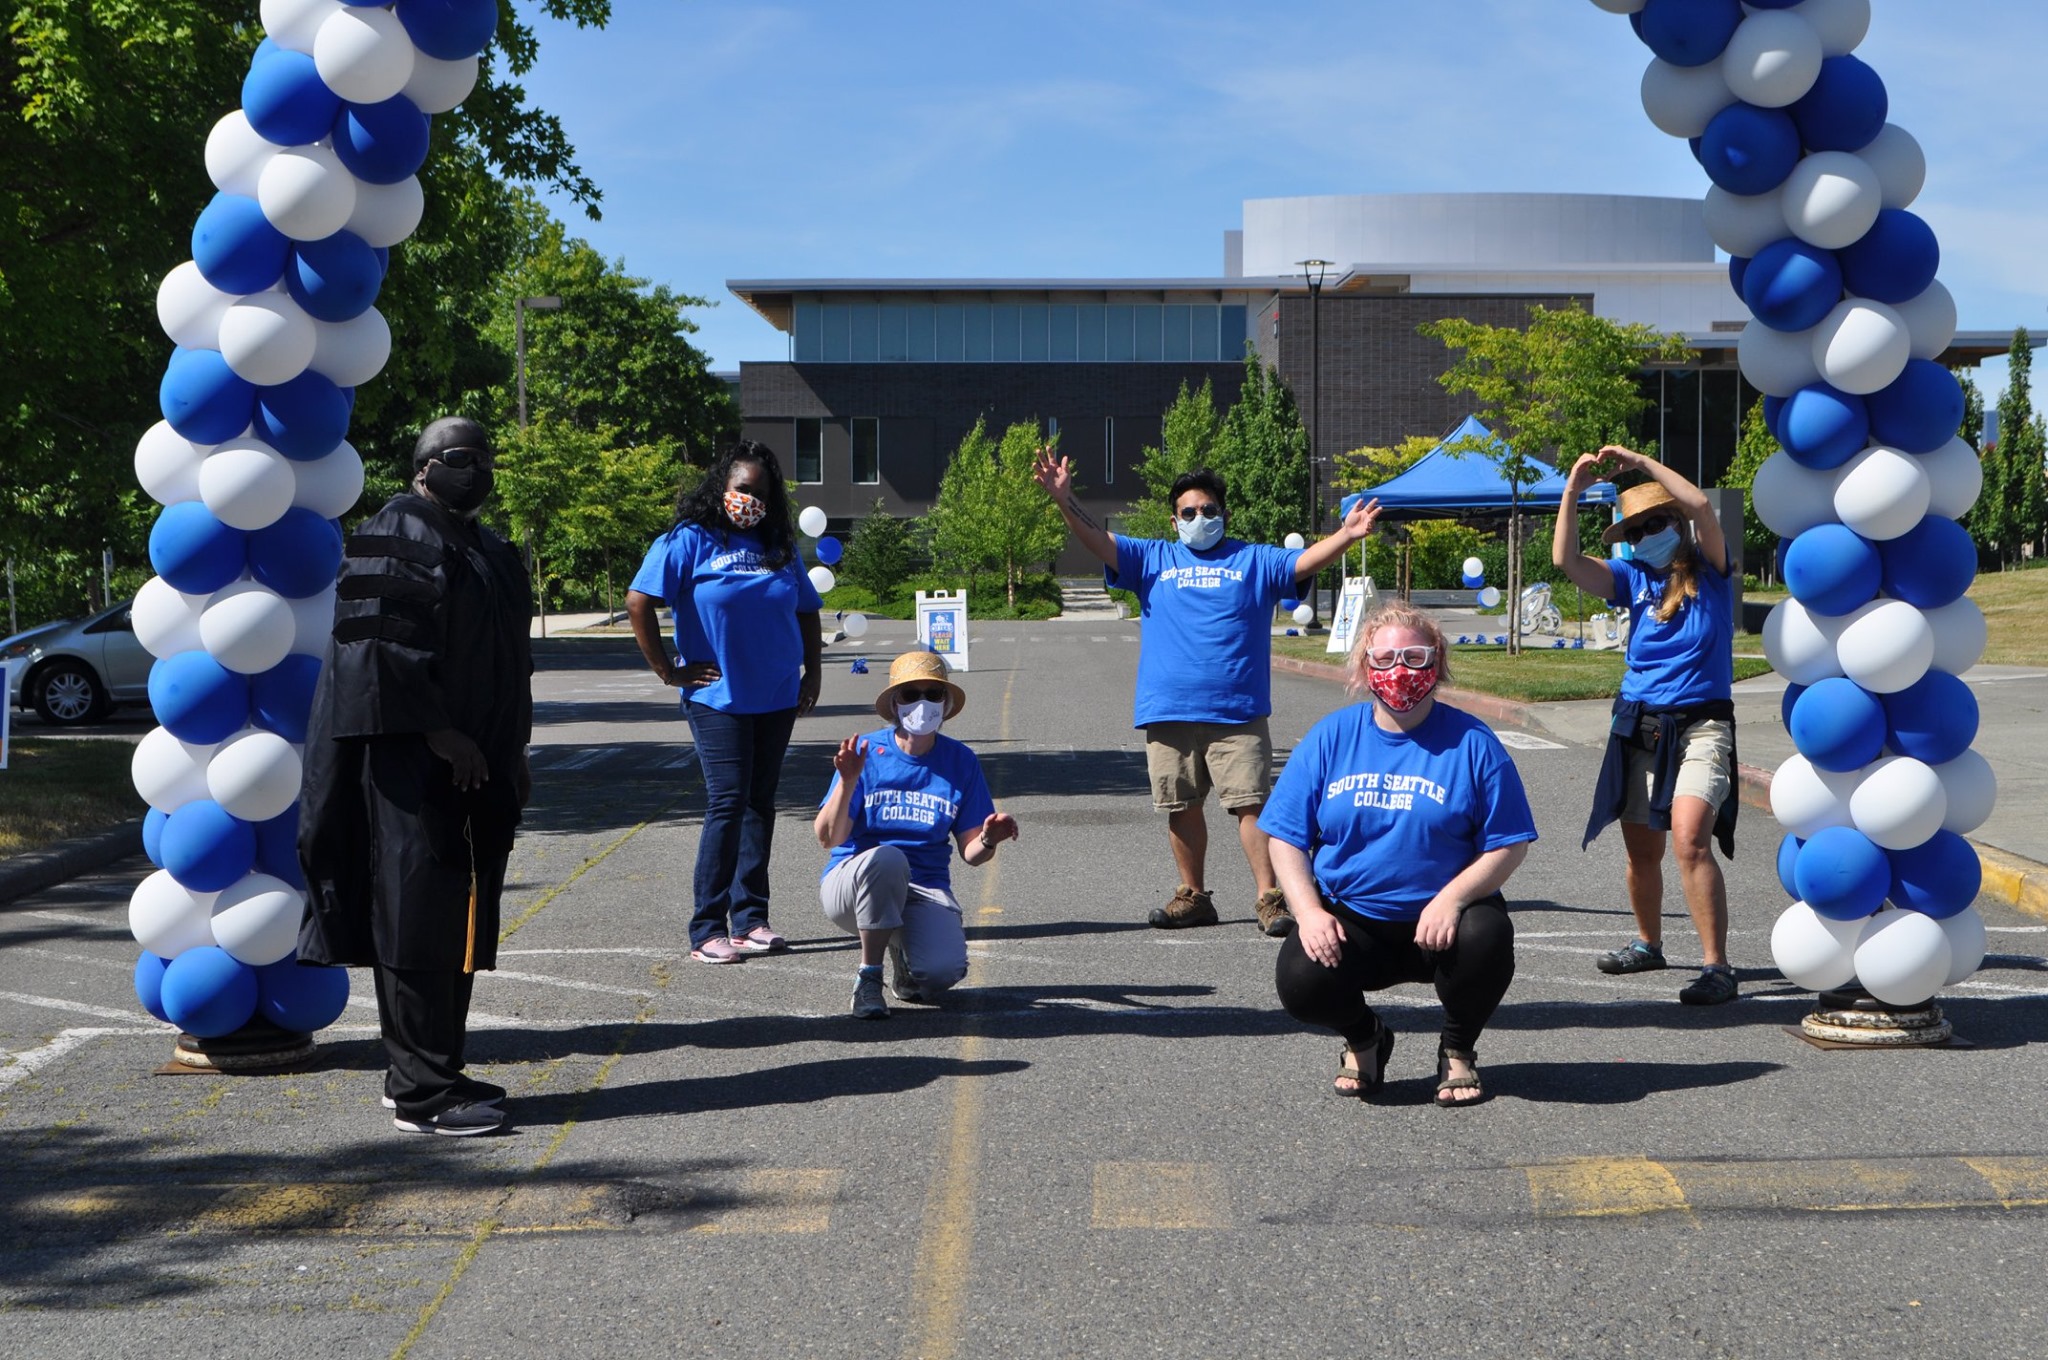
column 1744, row 224
column 312, row 623
column 363, row 54
column 1885, row 646
column 167, row 464
column 812, row 521
column 1960, row 635
column 1862, row 346
column 1800, row 644
column 267, row 339
column 247, row 484
column 1682, row 100
column 1954, row 478
column 1841, row 24
column 1621, row 6
column 1972, row 790
column 306, row 192
column 169, row 773
column 257, row 919
column 350, row 353
column 1489, row 597
column 247, row 627
column 294, row 24
column 1777, row 363
column 1930, row 320
column 1474, row 567
column 236, row 155
column 189, row 308
column 1900, row 803
column 1902, row 957
column 822, row 580
column 1966, row 944
column 855, row 625
column 330, row 485
column 1900, row 164
column 437, row 86
column 1791, row 498
column 254, row 775
column 1831, row 198
column 1882, row 492
column 166, row 621
column 386, row 214
column 1813, row 951
column 1294, row 542
column 1304, row 614
column 1772, row 60
column 167, row 918
column 1806, row 799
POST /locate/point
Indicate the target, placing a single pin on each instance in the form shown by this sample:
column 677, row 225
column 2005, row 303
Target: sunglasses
column 462, row 458
column 1386, row 658
column 1641, row 529
column 934, row 695
column 1205, row 510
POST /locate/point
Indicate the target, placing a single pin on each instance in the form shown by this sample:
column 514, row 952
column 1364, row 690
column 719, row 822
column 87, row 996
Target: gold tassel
column 469, row 947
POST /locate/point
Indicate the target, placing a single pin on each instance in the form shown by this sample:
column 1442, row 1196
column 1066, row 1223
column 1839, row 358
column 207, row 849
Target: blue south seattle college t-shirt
column 1206, row 653
column 733, row 612
column 914, row 803
column 1388, row 818
column 1689, row 659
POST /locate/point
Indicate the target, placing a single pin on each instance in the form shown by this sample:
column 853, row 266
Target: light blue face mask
column 1657, row 550
column 1200, row 533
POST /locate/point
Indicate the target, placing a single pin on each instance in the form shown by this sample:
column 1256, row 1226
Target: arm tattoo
column 1080, row 516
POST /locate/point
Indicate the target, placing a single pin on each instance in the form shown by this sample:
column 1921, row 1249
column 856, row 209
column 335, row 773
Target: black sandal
column 1446, row 1083
column 1383, row 1045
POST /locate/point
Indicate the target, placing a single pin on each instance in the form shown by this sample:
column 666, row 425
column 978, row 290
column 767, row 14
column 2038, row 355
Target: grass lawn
column 54, row 789
column 1536, row 676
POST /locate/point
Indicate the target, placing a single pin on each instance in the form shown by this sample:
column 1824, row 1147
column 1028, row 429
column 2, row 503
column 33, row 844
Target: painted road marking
column 1604, row 1187
column 1526, row 742
column 779, row 1201
column 2019, row 1182
column 1160, row 1195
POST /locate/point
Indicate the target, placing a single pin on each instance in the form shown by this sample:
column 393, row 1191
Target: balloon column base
column 1857, row 1019
column 258, row 1046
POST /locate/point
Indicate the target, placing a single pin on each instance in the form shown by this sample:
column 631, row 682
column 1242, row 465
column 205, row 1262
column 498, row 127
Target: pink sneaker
column 719, row 949
column 760, row 940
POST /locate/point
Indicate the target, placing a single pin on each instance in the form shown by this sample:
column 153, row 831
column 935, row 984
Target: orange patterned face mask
column 743, row 510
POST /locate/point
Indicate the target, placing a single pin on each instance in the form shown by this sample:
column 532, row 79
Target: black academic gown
column 430, row 631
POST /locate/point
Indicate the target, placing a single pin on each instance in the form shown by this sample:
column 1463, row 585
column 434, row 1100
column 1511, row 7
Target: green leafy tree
column 991, row 516
column 881, row 553
column 1754, row 444
column 1262, row 453
column 583, row 503
column 2021, row 498
column 1188, row 433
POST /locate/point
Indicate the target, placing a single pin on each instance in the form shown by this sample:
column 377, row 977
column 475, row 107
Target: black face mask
column 463, row 490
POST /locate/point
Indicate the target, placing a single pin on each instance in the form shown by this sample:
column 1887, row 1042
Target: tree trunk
column 1514, row 591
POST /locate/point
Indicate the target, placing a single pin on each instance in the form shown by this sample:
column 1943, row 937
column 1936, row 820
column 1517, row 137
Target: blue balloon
column 207, row 848
column 1822, row 427
column 1920, row 411
column 1773, row 409
column 1844, row 110
column 1738, row 269
column 277, row 847
column 208, row 993
column 334, row 279
column 197, row 699
column 1842, row 874
column 1778, row 556
column 1934, row 719
column 829, row 550
column 235, row 247
column 1692, row 144
column 1831, row 569
column 301, row 997
column 297, row 556
column 281, row 698
column 1929, row 565
column 1689, row 32
column 1786, row 701
column 1788, row 856
column 149, row 984
column 285, row 100
column 1938, row 877
column 1290, row 605
column 195, row 552
column 1474, row 582
column 203, row 399
column 449, row 29
column 1894, row 261
column 381, row 143
column 302, row 419
column 153, row 836
column 1838, row 725
column 1792, row 286
column 1748, row 150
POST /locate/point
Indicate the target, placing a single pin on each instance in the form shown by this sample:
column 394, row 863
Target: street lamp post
column 1313, row 272
column 547, row 303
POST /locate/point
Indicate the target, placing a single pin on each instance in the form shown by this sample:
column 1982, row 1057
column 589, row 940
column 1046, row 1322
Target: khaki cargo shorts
column 1187, row 759
column 1702, row 770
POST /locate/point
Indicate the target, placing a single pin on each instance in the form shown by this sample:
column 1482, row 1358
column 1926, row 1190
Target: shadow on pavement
column 790, row 1084
column 1582, row 1083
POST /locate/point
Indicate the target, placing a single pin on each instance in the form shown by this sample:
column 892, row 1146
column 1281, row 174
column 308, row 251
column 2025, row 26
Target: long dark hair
column 704, row 503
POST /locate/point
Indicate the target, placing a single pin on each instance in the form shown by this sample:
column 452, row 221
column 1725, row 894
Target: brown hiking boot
column 1274, row 918
column 1185, row 908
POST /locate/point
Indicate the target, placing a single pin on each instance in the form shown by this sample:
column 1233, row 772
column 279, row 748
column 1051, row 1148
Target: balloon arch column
column 1811, row 187
column 274, row 323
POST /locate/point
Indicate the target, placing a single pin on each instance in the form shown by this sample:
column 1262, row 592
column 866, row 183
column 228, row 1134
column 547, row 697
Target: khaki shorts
column 1187, row 759
column 1702, row 771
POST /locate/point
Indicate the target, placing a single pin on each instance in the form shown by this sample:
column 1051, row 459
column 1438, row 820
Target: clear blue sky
column 1119, row 137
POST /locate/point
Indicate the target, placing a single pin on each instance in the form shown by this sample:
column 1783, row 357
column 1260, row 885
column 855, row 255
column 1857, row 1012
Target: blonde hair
column 1395, row 614
column 1681, row 581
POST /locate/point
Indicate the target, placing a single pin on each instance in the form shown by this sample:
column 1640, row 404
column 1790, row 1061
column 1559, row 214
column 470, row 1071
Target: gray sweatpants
column 873, row 891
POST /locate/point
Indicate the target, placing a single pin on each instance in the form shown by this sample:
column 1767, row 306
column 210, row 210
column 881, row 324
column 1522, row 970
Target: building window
column 1109, row 450
column 810, row 450
column 867, row 450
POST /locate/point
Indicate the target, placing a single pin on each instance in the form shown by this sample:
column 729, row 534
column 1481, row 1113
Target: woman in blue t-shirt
column 747, row 657
column 1670, row 762
column 901, row 800
column 1395, row 825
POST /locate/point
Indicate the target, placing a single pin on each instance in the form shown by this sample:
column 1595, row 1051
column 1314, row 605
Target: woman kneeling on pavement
column 898, row 796
column 1395, row 825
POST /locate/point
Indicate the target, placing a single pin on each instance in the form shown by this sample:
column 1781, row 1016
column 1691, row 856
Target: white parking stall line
column 63, row 918
column 571, row 984
column 53, row 1003
column 30, row 1061
column 1524, row 741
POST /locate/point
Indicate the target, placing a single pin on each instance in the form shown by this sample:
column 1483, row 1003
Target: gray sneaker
column 457, row 1121
column 868, row 1002
column 902, row 981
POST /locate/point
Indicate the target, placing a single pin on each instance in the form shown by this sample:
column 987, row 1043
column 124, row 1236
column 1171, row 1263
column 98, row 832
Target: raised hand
column 999, row 827
column 1358, row 524
column 1055, row 474
column 850, row 759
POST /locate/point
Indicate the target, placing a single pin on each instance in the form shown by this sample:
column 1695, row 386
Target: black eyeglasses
column 1386, row 658
column 1641, row 529
column 1205, row 510
column 462, row 458
column 935, row 695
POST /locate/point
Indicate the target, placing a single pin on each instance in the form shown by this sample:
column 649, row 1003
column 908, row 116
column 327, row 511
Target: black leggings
column 1471, row 976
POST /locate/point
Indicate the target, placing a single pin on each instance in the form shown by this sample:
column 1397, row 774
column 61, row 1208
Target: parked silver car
column 76, row 670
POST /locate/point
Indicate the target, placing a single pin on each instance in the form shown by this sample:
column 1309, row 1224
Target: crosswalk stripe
column 1160, row 1195
column 1604, row 1187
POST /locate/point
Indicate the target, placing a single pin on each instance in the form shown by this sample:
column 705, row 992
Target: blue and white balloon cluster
column 275, row 326
column 1810, row 197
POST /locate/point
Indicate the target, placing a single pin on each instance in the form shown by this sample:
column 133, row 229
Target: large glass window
column 810, row 450
column 867, row 450
column 1013, row 332
column 1108, row 450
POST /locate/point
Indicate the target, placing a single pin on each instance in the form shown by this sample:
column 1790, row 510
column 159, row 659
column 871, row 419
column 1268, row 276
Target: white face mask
column 921, row 718
column 1200, row 533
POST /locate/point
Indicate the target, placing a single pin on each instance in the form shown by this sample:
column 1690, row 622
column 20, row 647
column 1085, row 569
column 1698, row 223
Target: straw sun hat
column 919, row 668
column 1637, row 503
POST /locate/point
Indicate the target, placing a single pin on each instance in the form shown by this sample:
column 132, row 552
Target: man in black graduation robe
column 415, row 771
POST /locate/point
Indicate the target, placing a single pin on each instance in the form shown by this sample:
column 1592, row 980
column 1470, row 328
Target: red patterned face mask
column 1401, row 688
column 743, row 510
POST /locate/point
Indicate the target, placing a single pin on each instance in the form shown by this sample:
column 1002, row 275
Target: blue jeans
column 741, row 757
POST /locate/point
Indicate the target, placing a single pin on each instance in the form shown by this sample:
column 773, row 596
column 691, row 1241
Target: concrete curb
column 2010, row 879
column 46, row 868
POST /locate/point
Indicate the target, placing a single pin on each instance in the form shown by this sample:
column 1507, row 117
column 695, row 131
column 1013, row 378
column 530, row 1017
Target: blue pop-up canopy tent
column 1445, row 485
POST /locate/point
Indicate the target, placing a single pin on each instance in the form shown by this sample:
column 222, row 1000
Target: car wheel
column 68, row 693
